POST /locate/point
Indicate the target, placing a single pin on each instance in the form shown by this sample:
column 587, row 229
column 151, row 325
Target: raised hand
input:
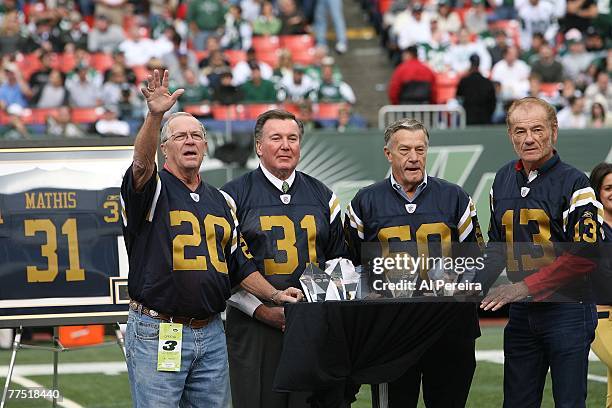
column 159, row 99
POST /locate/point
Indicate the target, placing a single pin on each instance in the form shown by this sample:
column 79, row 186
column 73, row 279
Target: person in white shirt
column 512, row 74
column 573, row 116
column 448, row 20
column 138, row 49
column 458, row 56
column 537, row 16
column 411, row 28
column 242, row 71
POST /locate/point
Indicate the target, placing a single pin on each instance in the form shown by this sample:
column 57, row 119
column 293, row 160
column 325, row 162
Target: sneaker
column 341, row 48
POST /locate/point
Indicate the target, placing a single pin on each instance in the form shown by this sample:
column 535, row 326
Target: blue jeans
column 543, row 335
column 320, row 21
column 203, row 380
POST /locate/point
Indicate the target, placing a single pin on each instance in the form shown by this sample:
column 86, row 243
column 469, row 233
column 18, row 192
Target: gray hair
column 408, row 124
column 275, row 114
column 166, row 128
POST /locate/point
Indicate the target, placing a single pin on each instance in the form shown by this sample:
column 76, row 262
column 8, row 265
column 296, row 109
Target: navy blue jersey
column 442, row 214
column 181, row 246
column 59, row 243
column 534, row 214
column 285, row 237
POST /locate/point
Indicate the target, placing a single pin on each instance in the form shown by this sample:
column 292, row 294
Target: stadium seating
column 198, row 110
column 270, row 57
column 550, row 89
column 235, row 56
column 252, row 111
column 101, row 61
column 228, row 112
column 446, row 87
column 297, row 42
column 86, row 115
column 266, row 43
column 327, row 110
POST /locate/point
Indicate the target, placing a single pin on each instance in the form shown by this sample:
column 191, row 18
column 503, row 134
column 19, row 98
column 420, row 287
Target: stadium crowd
column 556, row 50
column 74, row 67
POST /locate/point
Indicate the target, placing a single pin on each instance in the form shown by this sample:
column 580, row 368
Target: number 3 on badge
column 169, row 347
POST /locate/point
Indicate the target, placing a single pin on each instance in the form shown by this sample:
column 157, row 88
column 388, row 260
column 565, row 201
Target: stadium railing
column 432, row 116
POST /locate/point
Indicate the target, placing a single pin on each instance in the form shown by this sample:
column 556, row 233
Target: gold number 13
column 542, row 238
column 49, row 250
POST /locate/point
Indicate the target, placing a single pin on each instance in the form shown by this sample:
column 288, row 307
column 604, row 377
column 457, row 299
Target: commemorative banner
column 62, row 256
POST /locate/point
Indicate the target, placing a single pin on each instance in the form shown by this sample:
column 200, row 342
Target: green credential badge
column 169, row 347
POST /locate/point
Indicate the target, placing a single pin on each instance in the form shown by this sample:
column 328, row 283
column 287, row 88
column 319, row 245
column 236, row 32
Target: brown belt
column 187, row 321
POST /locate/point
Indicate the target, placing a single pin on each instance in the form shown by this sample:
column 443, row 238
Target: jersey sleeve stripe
column 232, row 205
column 463, row 221
column 155, row 198
column 234, row 241
column 334, row 208
column 355, row 222
column 463, row 235
column 123, row 213
column 581, row 198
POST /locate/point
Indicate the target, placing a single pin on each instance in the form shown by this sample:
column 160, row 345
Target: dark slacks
column 254, row 350
column 540, row 336
column 445, row 370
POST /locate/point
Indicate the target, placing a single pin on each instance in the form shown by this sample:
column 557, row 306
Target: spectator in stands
column 45, row 36
column 547, row 66
column 476, row 17
column 40, row 77
column 16, row 128
column 60, row 124
column 205, row 18
column 512, row 74
column 537, row 16
column 297, row 87
column 334, row 7
column 161, row 14
column 267, row 23
column 600, row 117
column 53, row 94
column 498, row 49
column 242, row 70
column 251, row 9
column 112, row 89
column 306, row 115
column 595, row 43
column 82, row 62
column 435, row 51
column 104, row 36
column 76, row 34
column 579, row 14
column 258, row 89
column 212, row 45
column 119, row 61
column 14, row 89
column 573, row 116
column 115, row 10
column 10, row 32
column 195, row 92
column 412, row 28
column 532, row 54
column 109, row 124
column 412, row 81
column 238, row 33
column 130, row 106
column 477, row 95
column 164, row 43
column 577, row 59
column 448, row 20
column 332, row 90
column 284, row 67
column 458, row 56
column 225, row 93
column 344, row 122
column 504, row 10
column 600, row 91
column 292, row 19
column 83, row 91
column 215, row 67
column 178, row 60
column 321, row 59
column 138, row 48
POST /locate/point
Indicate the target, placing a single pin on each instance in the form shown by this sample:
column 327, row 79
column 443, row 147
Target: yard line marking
column 26, row 370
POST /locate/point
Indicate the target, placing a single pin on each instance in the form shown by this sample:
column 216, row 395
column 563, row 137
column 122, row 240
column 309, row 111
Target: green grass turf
column 102, row 391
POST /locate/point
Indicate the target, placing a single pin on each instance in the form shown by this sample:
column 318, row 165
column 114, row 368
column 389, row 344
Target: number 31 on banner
column 49, row 250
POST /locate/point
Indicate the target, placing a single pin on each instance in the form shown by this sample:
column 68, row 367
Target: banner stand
column 56, row 349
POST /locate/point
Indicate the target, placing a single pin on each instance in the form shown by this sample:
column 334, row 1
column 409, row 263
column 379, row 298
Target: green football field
column 97, row 378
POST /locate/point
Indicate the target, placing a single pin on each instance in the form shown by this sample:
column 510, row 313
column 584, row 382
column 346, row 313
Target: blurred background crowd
column 73, row 67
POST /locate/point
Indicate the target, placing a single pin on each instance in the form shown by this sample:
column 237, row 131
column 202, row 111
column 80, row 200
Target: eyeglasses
column 182, row 136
